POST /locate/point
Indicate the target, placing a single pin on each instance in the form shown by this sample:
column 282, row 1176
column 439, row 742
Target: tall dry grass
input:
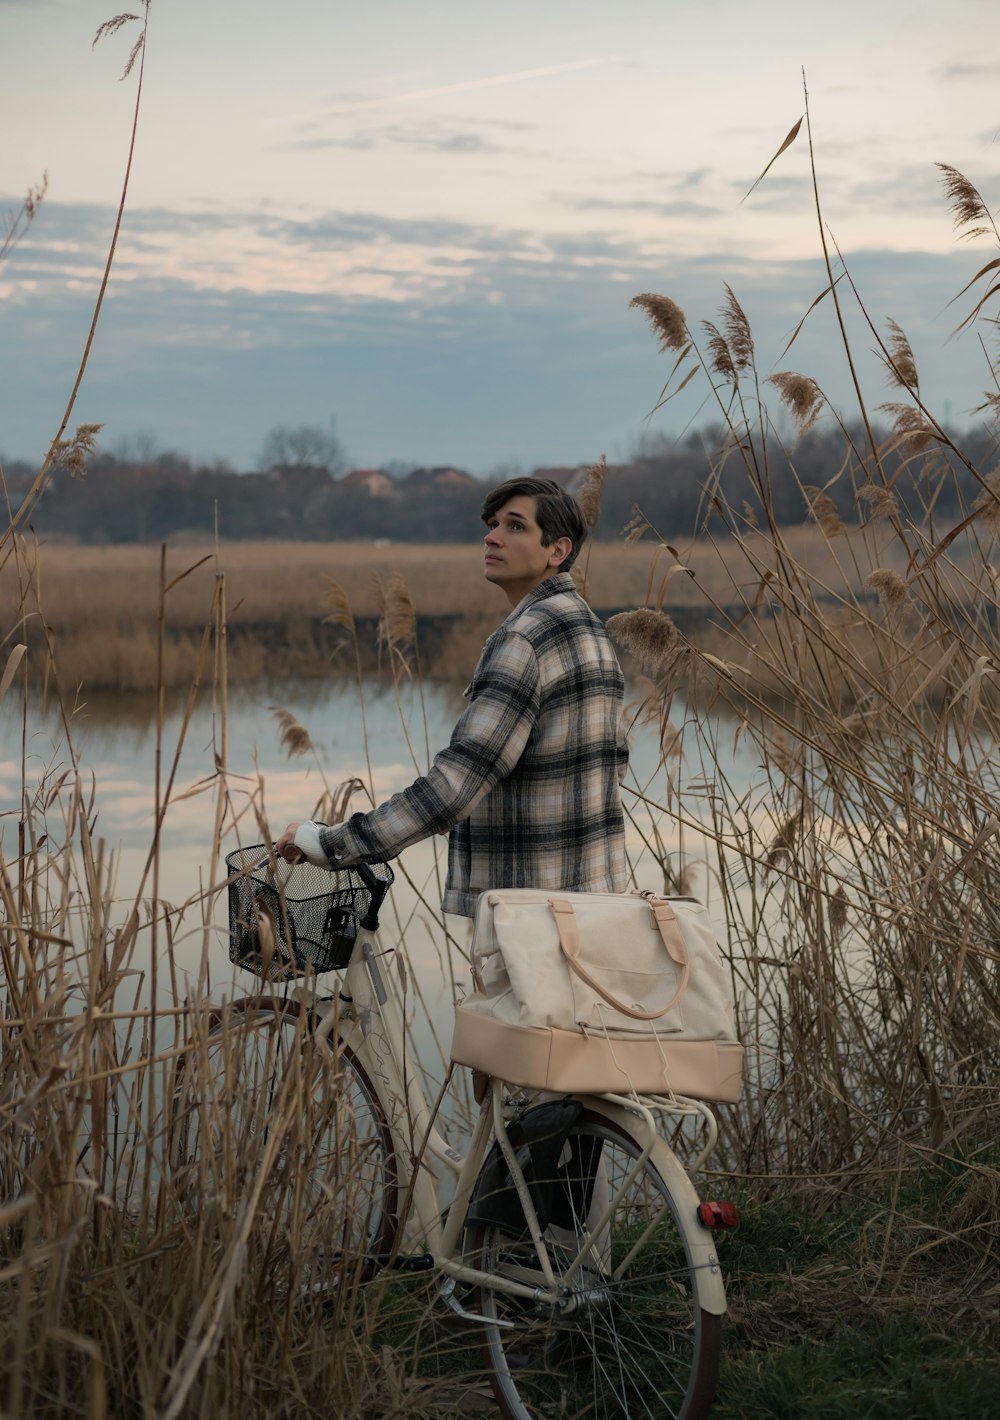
column 144, row 1275
column 134, row 1283
column 859, row 879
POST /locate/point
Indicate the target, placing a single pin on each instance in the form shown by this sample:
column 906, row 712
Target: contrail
column 466, row 86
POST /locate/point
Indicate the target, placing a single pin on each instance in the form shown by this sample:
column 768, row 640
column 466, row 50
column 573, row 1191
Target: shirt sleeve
column 307, row 842
column 486, row 744
column 621, row 747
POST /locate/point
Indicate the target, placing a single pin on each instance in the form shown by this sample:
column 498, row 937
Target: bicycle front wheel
column 263, row 1104
column 627, row 1337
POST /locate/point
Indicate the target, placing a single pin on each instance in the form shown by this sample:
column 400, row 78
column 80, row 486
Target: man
column 528, row 786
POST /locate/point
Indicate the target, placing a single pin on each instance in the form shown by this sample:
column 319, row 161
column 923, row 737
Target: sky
column 422, row 224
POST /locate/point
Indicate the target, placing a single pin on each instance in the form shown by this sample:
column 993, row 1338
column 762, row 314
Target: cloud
column 338, row 257
column 665, row 193
column 348, row 98
column 777, row 193
column 678, row 208
column 427, row 138
column 917, row 186
column 964, row 71
column 434, row 340
column 683, row 180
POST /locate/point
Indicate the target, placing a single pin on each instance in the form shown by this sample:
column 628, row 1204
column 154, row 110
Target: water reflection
column 384, row 738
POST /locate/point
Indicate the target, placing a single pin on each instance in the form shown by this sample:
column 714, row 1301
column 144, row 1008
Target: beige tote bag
column 599, row 991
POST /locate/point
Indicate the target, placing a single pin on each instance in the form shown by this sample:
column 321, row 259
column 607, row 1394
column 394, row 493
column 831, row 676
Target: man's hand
column 285, row 846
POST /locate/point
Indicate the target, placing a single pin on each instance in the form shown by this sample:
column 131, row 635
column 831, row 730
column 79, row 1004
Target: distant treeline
column 679, row 486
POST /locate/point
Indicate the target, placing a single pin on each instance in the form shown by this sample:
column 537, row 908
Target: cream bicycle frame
column 365, row 1017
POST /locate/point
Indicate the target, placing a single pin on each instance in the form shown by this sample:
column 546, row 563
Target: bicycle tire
column 634, row 1345
column 329, row 1199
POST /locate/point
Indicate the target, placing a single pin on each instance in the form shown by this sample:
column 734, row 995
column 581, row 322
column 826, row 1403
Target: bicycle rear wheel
column 263, row 1101
column 629, row 1337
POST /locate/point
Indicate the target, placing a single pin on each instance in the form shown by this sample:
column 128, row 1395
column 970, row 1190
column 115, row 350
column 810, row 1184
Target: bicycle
column 574, row 1240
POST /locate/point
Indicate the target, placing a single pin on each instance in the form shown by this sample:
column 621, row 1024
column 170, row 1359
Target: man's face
column 515, row 557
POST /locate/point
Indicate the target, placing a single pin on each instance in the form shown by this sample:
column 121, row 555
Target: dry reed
column 857, row 877
column 168, row 1248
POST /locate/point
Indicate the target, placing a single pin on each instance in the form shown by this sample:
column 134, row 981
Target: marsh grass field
column 99, row 608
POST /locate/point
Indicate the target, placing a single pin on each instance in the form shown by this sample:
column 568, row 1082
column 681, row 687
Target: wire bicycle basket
column 286, row 919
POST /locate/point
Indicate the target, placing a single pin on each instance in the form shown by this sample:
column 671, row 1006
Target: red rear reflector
column 718, row 1215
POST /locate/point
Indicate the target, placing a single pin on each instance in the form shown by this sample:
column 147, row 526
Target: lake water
column 384, row 739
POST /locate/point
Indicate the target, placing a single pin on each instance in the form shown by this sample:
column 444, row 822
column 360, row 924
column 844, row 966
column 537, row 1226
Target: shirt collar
column 560, row 582
column 552, row 586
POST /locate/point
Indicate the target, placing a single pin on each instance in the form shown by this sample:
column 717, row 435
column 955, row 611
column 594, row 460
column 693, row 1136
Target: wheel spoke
column 629, row 1338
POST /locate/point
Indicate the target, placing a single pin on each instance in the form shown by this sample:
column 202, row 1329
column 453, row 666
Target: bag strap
column 666, row 922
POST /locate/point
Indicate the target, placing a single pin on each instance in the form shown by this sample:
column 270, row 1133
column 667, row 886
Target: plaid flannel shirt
column 529, row 784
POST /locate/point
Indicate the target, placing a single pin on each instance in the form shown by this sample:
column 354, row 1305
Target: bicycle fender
column 539, row 1136
column 711, row 1292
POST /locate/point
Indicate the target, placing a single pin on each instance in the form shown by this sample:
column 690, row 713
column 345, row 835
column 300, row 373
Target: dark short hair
column 557, row 512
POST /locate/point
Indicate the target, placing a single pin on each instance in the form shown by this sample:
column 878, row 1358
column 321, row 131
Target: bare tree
column 304, row 446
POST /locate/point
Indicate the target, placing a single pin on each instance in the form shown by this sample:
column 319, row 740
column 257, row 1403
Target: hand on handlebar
column 285, row 847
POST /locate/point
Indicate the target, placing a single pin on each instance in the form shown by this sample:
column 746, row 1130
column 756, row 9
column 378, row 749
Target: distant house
column 445, row 480
column 372, row 481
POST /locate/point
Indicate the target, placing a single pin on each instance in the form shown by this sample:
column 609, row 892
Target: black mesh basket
column 285, row 920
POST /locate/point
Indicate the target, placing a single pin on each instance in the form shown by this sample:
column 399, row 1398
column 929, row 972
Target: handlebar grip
column 374, row 884
column 378, row 888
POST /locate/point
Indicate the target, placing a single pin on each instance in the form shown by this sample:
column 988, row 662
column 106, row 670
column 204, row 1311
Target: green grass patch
column 895, row 1369
column 866, row 1307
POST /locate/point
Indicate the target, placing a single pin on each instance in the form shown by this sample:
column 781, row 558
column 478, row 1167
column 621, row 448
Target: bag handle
column 666, row 922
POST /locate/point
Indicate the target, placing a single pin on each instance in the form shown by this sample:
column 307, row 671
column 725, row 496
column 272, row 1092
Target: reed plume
column 720, row 357
column 801, row 395
column 910, row 427
column 112, row 26
column 666, row 318
column 837, row 912
column 294, row 738
column 881, row 502
column 649, row 636
column 339, row 603
column 888, row 586
column 16, row 226
column 397, row 618
column 72, row 454
column 900, row 362
column 637, row 526
column 823, row 510
column 783, row 842
column 739, row 336
column 987, row 504
column 991, row 401
column 589, row 496
column 671, row 740
column 967, row 205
